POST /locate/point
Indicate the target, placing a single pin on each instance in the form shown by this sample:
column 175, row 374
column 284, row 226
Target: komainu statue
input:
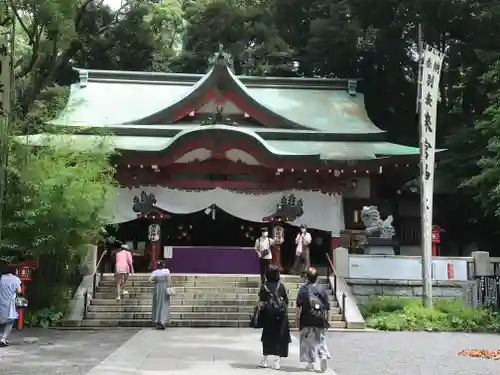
column 375, row 226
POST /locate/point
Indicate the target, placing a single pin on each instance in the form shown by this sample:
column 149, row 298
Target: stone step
column 202, row 283
column 228, row 277
column 187, row 302
column 181, row 323
column 216, row 289
column 187, row 316
column 196, row 295
column 212, row 278
column 179, row 308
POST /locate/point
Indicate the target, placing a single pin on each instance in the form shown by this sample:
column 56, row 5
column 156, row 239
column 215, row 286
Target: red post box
column 436, row 238
column 24, row 271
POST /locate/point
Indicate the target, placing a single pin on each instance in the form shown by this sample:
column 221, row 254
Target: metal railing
column 332, row 273
column 99, row 269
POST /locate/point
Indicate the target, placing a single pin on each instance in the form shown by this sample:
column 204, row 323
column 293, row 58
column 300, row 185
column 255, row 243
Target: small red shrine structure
column 24, row 271
column 195, row 133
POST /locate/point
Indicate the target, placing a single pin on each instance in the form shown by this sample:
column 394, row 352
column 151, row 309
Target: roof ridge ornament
column 222, row 58
column 219, row 118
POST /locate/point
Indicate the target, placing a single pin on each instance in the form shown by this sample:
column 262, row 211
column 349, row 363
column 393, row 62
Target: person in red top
column 123, row 268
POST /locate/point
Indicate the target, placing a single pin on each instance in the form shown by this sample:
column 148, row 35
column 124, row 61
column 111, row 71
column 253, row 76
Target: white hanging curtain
column 321, row 211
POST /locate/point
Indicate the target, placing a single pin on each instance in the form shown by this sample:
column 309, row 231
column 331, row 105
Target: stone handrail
column 343, row 294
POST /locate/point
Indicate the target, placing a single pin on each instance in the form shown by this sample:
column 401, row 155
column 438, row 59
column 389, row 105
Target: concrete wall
column 363, row 289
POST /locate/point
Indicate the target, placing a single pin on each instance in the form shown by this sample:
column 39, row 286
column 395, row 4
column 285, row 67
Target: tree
column 57, row 202
column 246, row 30
column 487, row 181
column 57, row 31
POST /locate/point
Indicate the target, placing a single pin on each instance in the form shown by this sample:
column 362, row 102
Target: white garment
column 8, row 286
column 160, row 272
column 303, row 239
column 263, row 244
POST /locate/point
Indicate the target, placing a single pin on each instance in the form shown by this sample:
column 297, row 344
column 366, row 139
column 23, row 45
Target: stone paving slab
column 182, row 351
column 193, row 351
column 410, row 353
column 52, row 352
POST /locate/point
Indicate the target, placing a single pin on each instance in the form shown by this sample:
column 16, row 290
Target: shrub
column 43, row 318
column 395, row 314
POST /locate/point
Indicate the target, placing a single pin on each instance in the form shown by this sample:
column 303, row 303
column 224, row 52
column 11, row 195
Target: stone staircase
column 200, row 301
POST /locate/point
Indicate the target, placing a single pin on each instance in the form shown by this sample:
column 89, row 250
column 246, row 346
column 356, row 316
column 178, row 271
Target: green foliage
column 57, row 197
column 397, row 314
column 57, row 201
column 246, row 29
column 53, row 34
column 487, row 180
column 43, row 318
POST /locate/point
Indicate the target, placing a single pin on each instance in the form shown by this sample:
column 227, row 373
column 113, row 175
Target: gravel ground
column 52, row 352
column 410, row 353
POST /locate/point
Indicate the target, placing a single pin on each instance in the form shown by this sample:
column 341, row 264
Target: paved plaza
column 184, row 351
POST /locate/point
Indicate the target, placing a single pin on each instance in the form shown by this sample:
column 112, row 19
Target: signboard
column 406, row 268
column 168, row 252
column 432, row 61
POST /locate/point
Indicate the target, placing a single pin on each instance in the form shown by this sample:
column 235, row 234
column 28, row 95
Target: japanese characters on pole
column 4, row 69
column 432, row 62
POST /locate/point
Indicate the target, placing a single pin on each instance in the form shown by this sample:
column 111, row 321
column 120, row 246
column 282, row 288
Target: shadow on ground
column 53, row 352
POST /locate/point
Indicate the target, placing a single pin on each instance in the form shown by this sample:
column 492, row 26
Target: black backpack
column 316, row 315
column 275, row 306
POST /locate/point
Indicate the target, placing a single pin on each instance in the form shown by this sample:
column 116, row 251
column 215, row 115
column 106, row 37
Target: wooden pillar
column 277, row 235
column 154, row 236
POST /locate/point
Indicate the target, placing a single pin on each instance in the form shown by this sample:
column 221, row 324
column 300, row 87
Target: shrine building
column 204, row 161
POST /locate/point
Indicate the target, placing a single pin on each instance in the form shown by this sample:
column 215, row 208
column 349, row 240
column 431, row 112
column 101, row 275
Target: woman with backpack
column 313, row 306
column 274, row 318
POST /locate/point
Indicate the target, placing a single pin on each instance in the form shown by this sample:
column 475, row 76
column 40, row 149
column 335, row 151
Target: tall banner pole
column 6, row 34
column 431, row 61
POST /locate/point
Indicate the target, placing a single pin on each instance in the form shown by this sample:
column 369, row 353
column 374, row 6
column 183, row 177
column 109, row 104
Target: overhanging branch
column 21, row 22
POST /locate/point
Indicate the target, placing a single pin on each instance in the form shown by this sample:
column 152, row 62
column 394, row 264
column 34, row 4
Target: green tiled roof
column 325, row 150
column 318, row 105
column 317, row 118
column 101, row 103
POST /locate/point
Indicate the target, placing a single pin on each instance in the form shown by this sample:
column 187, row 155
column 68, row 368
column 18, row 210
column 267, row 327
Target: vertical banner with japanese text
column 5, row 73
column 6, row 48
column 432, row 62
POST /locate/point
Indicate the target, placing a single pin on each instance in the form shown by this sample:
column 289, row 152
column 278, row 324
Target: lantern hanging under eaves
column 154, row 232
column 279, row 234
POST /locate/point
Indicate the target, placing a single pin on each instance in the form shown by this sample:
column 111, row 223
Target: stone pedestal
column 379, row 246
column 482, row 264
column 341, row 261
column 89, row 262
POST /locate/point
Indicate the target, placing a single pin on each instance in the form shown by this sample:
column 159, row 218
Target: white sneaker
column 276, row 364
column 310, row 367
column 264, row 363
column 323, row 364
column 118, row 298
column 124, row 293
